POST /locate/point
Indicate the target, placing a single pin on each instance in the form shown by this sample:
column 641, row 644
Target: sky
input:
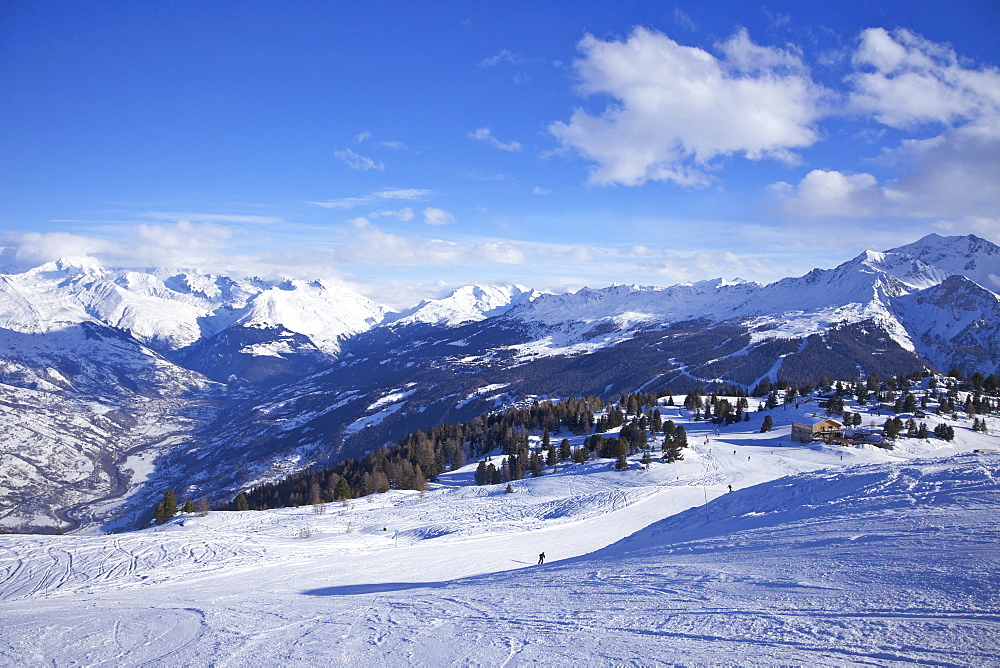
column 406, row 148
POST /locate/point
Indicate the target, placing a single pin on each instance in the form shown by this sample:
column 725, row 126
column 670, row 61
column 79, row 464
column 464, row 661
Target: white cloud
column 405, row 214
column 358, row 162
column 503, row 56
column 954, row 175
column 401, row 193
column 833, row 193
column 384, row 194
column 373, row 246
column 34, row 248
column 684, row 21
column 675, row 268
column 677, row 108
column 181, row 244
column 908, row 80
column 905, row 81
column 486, row 135
column 394, row 145
column 174, row 216
column 538, row 190
column 435, row 216
column 363, row 137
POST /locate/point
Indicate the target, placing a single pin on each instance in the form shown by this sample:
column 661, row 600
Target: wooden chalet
column 820, row 429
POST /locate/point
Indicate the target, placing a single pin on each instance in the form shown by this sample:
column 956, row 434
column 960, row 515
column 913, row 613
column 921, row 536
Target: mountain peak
column 468, row 303
column 973, row 257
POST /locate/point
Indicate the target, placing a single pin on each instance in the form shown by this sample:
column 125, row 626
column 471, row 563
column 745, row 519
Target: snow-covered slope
column 819, row 556
column 84, row 411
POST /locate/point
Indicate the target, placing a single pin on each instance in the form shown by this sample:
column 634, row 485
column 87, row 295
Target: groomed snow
column 822, row 555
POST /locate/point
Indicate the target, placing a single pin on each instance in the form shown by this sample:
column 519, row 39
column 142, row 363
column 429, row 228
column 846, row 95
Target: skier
column 730, row 488
column 541, row 558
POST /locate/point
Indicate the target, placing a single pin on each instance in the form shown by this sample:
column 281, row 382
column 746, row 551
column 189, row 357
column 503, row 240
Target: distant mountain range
column 117, row 384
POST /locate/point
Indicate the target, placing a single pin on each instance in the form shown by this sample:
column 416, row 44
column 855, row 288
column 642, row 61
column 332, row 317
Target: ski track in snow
column 884, row 557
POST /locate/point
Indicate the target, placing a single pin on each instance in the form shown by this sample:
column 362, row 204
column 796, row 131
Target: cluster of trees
column 423, row 455
column 896, row 427
column 168, row 507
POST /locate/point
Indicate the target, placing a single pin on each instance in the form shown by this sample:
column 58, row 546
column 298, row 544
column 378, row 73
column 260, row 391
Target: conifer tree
column 169, row 503
column 241, row 502
column 565, row 451
column 536, row 465
column 767, row 425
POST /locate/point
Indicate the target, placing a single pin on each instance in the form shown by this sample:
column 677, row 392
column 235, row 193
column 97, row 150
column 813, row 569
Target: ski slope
column 821, row 555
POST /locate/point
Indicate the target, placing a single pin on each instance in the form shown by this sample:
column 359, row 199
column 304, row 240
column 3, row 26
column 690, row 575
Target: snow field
column 882, row 557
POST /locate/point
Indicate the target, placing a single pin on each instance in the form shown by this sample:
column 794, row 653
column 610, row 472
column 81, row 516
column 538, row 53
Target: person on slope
column 541, row 558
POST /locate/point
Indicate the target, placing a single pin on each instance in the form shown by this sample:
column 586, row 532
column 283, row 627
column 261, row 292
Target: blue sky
column 408, row 147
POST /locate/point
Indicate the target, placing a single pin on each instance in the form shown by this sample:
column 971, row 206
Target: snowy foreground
column 821, row 555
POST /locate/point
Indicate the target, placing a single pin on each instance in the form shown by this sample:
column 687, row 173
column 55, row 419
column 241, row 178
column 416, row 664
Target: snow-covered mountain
column 883, row 289
column 469, row 303
column 247, row 379
column 169, row 311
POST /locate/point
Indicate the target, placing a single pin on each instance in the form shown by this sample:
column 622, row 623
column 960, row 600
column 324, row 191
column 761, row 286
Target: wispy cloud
column 377, row 196
column 359, row 162
column 373, row 246
column 504, row 56
column 405, row 214
column 207, row 217
column 486, row 135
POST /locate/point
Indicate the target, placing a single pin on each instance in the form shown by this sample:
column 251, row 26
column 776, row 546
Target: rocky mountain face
column 116, row 385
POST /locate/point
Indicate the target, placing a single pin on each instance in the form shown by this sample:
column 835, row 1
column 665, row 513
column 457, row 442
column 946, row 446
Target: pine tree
column 169, row 503
column 188, row 507
column 565, row 451
column 672, row 448
column 767, row 425
column 945, row 432
column 621, row 452
column 241, row 502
